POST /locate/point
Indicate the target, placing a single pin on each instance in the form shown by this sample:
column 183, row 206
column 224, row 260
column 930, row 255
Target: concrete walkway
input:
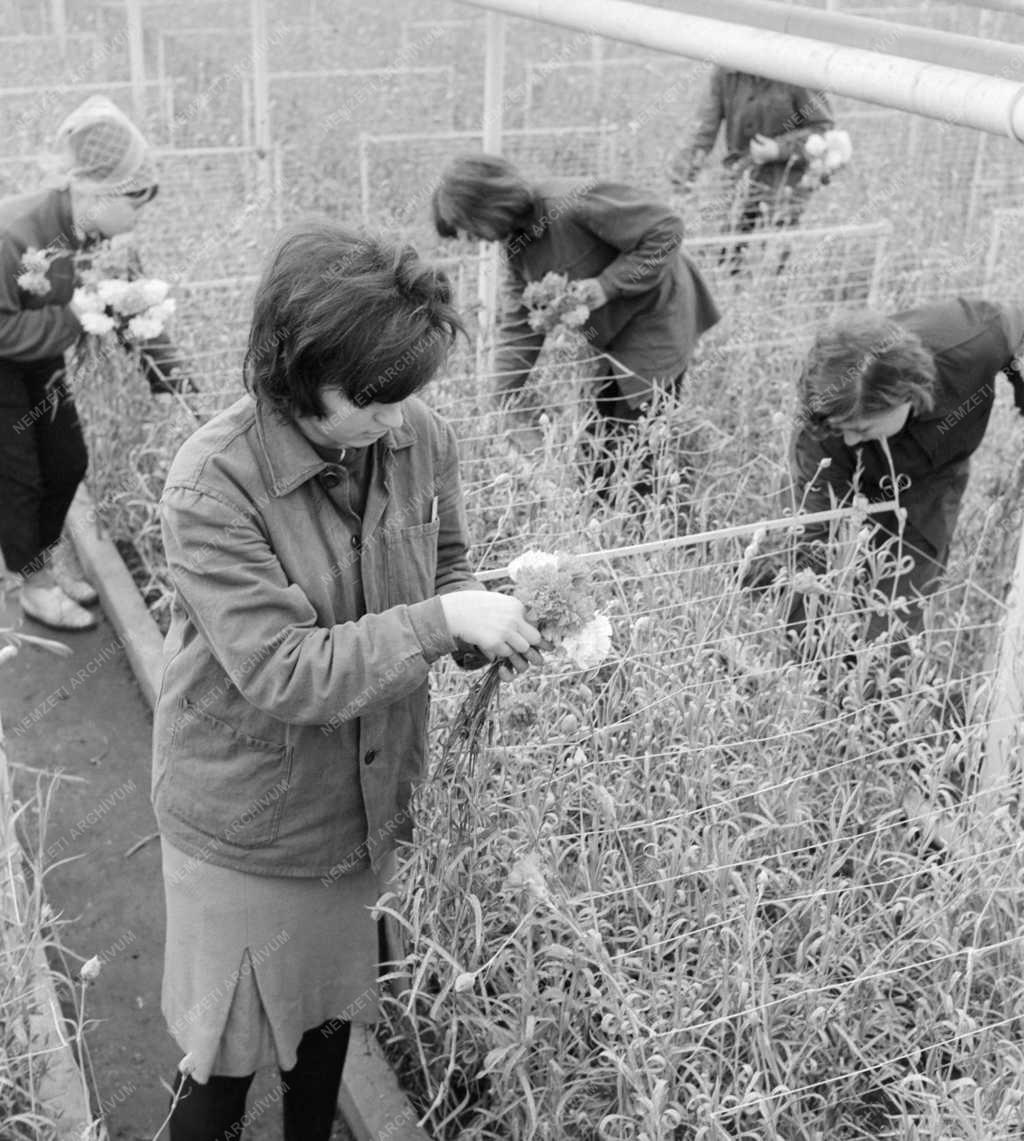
column 85, row 717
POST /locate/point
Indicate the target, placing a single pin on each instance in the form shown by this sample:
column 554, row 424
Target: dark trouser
column 932, row 511
column 215, row 1111
column 762, row 205
column 42, row 461
column 613, row 429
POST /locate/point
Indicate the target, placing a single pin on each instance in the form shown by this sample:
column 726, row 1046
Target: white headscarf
column 102, row 151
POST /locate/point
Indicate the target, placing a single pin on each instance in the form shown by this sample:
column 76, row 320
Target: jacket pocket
column 412, row 562
column 223, row 782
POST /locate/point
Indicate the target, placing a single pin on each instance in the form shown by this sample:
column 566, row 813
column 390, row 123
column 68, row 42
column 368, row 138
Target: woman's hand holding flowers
column 764, row 149
column 497, row 625
column 593, row 292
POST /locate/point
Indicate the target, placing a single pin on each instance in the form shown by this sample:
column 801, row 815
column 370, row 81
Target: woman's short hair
column 862, row 365
column 480, row 188
column 338, row 310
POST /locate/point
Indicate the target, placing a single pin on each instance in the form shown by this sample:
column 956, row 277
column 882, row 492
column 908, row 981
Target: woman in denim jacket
column 316, row 536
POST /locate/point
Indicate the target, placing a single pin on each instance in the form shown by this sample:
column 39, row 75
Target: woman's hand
column 496, row 624
column 764, row 149
column 593, row 292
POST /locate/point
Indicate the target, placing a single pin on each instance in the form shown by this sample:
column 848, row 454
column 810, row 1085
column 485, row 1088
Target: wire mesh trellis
column 29, row 115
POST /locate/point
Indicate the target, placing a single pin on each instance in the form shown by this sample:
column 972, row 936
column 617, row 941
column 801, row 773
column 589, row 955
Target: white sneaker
column 77, row 589
column 51, row 607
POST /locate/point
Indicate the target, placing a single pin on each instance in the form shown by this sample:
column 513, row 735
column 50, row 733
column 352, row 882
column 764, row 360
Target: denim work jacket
column 291, row 723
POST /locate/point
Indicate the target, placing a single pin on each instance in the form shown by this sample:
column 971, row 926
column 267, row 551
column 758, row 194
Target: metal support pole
column 261, row 94
column 494, row 106
column 59, row 19
column 260, row 79
column 980, row 99
column 1002, row 747
column 136, row 58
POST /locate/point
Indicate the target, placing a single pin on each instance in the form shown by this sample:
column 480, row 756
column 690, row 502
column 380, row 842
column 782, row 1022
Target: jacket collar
column 289, row 457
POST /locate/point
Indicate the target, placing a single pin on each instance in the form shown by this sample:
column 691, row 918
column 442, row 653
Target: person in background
column 767, row 125
column 649, row 304
column 106, row 179
column 893, row 407
column 316, row 538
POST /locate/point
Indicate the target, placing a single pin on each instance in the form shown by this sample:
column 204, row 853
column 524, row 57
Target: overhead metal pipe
column 1016, row 6
column 965, row 98
column 970, row 53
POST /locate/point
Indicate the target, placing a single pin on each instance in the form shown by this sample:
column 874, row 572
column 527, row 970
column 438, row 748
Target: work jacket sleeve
column 648, row 234
column 710, row 114
column 29, row 334
column 814, row 115
column 264, row 632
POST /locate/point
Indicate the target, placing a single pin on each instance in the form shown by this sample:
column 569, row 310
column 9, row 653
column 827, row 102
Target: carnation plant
column 558, row 307
column 825, row 153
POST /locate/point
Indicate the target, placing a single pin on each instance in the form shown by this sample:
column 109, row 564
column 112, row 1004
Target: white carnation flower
column 154, row 290
column 86, row 301
column 162, row 310
column 531, row 560
column 590, row 645
column 814, row 145
column 527, row 873
column 112, row 291
column 96, row 323
column 144, row 327
column 840, row 144
column 832, row 161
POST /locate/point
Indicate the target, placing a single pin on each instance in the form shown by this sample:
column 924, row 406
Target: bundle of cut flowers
column 558, row 307
column 35, row 264
column 557, row 592
column 825, row 154
column 113, row 298
column 136, row 310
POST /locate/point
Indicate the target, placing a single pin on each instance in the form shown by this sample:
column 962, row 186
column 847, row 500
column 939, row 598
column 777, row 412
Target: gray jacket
column 292, row 719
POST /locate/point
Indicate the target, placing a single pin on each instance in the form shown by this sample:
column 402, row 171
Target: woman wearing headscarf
column 107, row 177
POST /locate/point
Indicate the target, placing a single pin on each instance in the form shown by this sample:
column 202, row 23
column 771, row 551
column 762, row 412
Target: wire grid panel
column 211, row 68
column 1004, row 256
column 34, row 58
column 791, row 278
column 27, row 18
column 996, row 180
column 316, row 120
column 623, row 89
column 398, row 172
column 216, row 209
column 211, row 324
column 29, row 116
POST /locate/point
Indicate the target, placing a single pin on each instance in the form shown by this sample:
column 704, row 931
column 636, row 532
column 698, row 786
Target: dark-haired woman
column 648, row 304
column 894, row 407
column 316, row 537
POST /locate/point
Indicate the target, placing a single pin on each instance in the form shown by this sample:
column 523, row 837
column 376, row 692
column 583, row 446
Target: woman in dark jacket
column 767, row 124
column 316, row 536
column 893, row 408
column 648, row 303
column 107, row 179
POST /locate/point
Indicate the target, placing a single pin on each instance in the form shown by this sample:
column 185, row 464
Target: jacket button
column 370, row 757
column 357, row 542
column 330, row 479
